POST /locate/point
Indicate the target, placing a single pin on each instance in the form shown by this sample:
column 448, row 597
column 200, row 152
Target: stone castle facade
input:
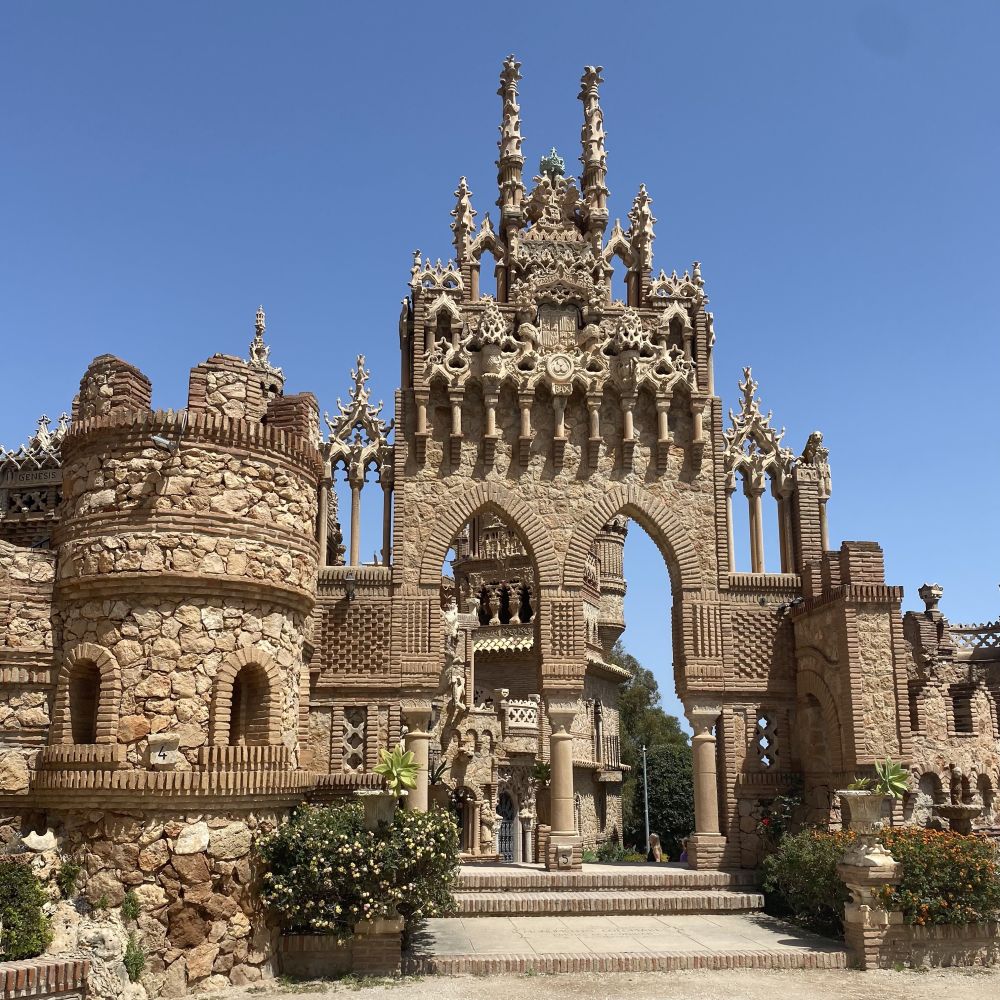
column 190, row 644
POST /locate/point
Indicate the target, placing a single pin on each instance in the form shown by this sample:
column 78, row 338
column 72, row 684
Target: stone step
column 631, row 943
column 521, row 878
column 650, row 961
column 605, row 901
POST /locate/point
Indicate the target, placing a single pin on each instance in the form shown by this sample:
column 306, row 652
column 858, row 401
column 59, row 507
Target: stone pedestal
column 866, row 867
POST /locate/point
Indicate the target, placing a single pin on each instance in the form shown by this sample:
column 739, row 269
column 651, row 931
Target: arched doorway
column 506, row 822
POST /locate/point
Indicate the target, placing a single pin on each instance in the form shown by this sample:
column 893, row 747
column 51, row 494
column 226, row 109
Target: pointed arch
column 655, row 517
column 482, row 498
column 810, row 684
column 84, row 657
column 446, row 303
column 220, row 717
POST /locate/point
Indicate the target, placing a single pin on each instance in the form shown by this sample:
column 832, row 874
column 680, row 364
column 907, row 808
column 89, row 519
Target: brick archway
column 809, row 683
column 487, row 497
column 220, row 718
column 109, row 700
column 655, row 517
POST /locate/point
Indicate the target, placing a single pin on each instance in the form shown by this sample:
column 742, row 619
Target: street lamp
column 645, row 793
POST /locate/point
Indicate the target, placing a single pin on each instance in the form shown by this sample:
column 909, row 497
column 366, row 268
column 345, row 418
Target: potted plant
column 398, row 768
column 864, row 797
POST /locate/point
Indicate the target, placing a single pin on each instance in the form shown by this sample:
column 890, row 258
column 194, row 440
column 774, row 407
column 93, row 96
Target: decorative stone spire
column 641, row 233
column 260, row 352
column 594, row 157
column 464, row 225
column 511, row 161
column 752, row 445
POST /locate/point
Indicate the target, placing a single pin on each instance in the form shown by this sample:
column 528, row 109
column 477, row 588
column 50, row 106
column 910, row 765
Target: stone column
column 824, row 528
column 323, row 536
column 754, row 493
column 730, row 541
column 565, row 845
column 706, row 844
column 869, row 930
column 386, row 522
column 418, row 717
column 356, row 484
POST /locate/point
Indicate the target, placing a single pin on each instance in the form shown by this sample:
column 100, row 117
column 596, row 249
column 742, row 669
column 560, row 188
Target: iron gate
column 505, row 836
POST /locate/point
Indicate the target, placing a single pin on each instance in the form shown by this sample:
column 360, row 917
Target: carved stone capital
column 703, row 717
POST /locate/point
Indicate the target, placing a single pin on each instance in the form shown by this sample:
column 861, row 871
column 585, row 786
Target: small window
column 248, row 720
column 84, row 696
column 961, row 702
column 765, row 736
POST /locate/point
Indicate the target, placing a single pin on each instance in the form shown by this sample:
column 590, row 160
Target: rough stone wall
column 169, row 654
column 880, row 734
column 200, row 921
column 26, row 653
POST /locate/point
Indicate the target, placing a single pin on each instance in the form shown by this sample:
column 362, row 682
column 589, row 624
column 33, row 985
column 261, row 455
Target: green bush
column 134, row 958
column 66, row 878
column 671, row 797
column 24, row 928
column 801, row 881
column 945, row 878
column 324, row 872
column 130, row 908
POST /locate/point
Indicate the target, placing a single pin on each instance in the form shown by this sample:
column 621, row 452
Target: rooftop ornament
column 552, row 165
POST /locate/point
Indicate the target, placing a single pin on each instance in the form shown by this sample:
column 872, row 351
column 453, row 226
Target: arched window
column 88, row 695
column 249, row 721
column 246, row 703
column 84, row 697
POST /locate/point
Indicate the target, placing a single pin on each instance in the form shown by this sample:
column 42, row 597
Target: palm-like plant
column 399, row 768
column 890, row 779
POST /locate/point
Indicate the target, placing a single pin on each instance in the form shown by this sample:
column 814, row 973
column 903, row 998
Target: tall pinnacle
column 260, row 353
column 464, row 215
column 511, row 161
column 594, row 157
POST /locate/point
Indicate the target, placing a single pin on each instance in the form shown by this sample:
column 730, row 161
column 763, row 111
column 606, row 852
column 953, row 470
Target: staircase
column 611, row 918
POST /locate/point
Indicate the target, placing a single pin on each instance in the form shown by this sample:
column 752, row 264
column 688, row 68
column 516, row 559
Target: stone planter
column 864, row 809
column 379, row 806
column 375, row 949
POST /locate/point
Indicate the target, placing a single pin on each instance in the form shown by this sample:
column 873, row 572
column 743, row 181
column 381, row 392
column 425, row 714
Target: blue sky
column 833, row 166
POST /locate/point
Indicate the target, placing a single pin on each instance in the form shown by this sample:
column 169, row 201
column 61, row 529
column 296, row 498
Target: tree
column 642, row 721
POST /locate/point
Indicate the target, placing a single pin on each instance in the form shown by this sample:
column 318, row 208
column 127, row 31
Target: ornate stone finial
column 931, row 594
column 641, row 233
column 511, row 161
column 552, row 165
column 594, row 156
column 753, row 446
column 464, row 215
column 260, row 353
column 358, row 435
column 492, row 329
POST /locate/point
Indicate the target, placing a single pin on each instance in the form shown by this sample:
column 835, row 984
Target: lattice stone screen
column 355, row 720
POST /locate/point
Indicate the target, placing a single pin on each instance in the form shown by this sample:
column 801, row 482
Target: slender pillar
column 706, row 844
column 697, row 428
column 628, row 428
column 754, row 493
column 525, row 417
column 595, row 417
column 559, row 402
column 456, row 416
column 355, row 522
column 421, row 416
column 491, row 414
column 564, row 841
column 824, row 528
column 474, row 281
column 729, row 528
column 386, row 523
column 324, row 518
column 663, row 419
column 418, row 740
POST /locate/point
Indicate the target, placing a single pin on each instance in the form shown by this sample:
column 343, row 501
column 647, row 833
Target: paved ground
column 954, row 984
column 580, row 935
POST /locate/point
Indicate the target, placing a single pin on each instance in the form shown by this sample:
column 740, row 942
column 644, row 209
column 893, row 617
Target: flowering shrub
column 324, row 872
column 945, row 878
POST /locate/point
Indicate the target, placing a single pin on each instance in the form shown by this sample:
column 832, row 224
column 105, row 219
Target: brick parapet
column 44, row 977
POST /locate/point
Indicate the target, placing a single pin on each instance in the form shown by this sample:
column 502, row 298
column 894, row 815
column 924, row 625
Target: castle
column 190, row 644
